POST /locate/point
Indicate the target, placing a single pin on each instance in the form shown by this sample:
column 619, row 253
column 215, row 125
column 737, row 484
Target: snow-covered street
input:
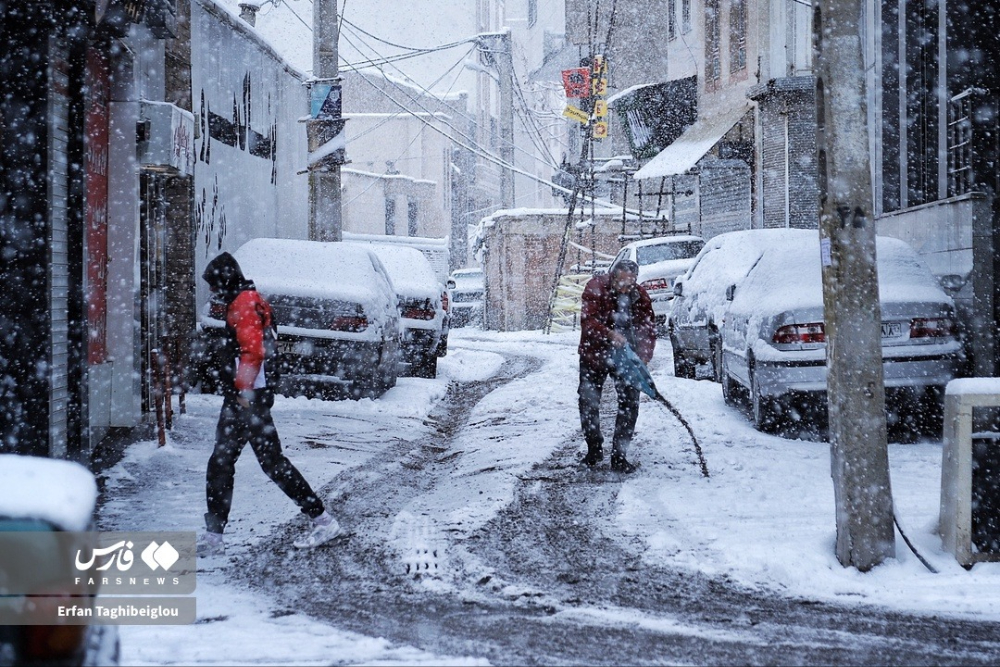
column 762, row 525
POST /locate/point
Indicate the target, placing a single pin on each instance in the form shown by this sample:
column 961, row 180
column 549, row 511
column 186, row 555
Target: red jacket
column 596, row 322
column 248, row 315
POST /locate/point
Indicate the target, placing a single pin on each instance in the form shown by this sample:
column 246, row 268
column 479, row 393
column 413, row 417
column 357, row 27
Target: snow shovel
column 631, row 369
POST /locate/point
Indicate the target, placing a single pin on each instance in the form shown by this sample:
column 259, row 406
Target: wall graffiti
column 211, row 220
column 237, row 130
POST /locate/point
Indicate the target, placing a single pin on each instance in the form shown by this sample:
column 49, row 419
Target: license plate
column 892, row 330
column 300, row 347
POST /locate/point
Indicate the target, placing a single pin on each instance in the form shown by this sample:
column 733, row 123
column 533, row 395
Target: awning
column 697, row 140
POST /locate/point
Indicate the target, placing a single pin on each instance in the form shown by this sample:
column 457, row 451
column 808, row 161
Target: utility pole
column 855, row 383
column 498, row 47
column 325, row 128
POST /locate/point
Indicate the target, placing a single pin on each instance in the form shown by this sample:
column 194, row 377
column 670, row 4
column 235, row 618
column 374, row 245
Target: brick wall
column 521, row 257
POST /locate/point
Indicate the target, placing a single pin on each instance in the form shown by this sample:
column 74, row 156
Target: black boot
column 619, row 464
column 595, row 454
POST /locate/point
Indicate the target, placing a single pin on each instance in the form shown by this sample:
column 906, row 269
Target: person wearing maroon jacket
column 246, row 413
column 616, row 311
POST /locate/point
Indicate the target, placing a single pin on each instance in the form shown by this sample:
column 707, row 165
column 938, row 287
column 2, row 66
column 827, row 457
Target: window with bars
column 390, row 216
column 738, row 37
column 671, row 19
column 713, row 61
column 960, row 175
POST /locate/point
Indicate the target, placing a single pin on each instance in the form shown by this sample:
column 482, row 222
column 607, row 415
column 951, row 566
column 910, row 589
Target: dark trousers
column 238, row 426
column 591, row 385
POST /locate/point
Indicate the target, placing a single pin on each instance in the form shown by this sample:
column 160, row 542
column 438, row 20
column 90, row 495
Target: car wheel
column 728, row 387
column 425, row 365
column 715, row 346
column 683, row 368
column 765, row 417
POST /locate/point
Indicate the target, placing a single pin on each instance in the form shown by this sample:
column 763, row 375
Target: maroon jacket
column 596, row 321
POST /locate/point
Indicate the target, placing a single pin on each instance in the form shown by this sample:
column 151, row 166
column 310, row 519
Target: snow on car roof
column 789, row 277
column 310, row 269
column 410, row 271
column 61, row 492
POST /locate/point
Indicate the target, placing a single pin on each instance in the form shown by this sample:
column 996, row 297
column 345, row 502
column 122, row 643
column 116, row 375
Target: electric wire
column 416, row 135
column 399, row 113
column 419, row 105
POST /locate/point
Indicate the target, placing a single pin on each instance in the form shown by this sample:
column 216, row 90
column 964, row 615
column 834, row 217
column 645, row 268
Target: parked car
column 699, row 304
column 660, row 261
column 40, row 498
column 467, row 289
column 423, row 307
column 336, row 311
column 773, row 338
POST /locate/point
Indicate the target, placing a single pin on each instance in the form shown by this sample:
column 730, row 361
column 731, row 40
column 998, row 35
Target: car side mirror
column 952, row 283
column 451, row 284
column 730, row 292
column 678, row 289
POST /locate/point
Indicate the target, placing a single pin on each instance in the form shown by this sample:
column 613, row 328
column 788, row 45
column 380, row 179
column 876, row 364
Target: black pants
column 591, row 386
column 238, row 426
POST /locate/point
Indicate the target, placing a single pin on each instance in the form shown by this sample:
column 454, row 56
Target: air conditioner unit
column 165, row 138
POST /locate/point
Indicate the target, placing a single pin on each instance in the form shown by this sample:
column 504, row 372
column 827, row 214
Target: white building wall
column 250, row 145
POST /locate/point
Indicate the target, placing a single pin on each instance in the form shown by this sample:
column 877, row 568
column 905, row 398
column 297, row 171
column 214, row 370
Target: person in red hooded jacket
column 246, row 413
column 616, row 311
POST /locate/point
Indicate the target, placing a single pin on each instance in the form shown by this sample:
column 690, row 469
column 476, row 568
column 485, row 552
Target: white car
column 423, row 307
column 660, row 261
column 699, row 304
column 335, row 308
column 467, row 289
column 774, row 343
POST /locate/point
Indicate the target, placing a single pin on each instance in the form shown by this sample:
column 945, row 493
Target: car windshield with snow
column 423, row 307
column 467, row 289
column 699, row 302
column 660, row 261
column 336, row 312
column 774, row 344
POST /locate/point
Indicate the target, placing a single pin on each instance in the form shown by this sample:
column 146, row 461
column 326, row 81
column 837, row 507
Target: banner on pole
column 576, row 82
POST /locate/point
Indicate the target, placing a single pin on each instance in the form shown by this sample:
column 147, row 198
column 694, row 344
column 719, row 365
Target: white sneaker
column 324, row 529
column 211, row 544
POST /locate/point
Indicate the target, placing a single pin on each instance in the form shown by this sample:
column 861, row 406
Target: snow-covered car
column 773, row 339
column 467, row 288
column 40, row 498
column 335, row 308
column 699, row 303
column 660, row 261
column 423, row 307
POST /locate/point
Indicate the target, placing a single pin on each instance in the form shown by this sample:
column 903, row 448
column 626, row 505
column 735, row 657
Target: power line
column 398, row 113
column 415, row 136
column 440, row 47
column 429, row 93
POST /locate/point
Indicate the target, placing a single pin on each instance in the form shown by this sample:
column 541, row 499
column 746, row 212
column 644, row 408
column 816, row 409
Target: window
column 390, row 216
column 737, row 37
column 713, row 61
column 960, row 144
column 671, row 19
column 411, row 217
column 685, row 16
